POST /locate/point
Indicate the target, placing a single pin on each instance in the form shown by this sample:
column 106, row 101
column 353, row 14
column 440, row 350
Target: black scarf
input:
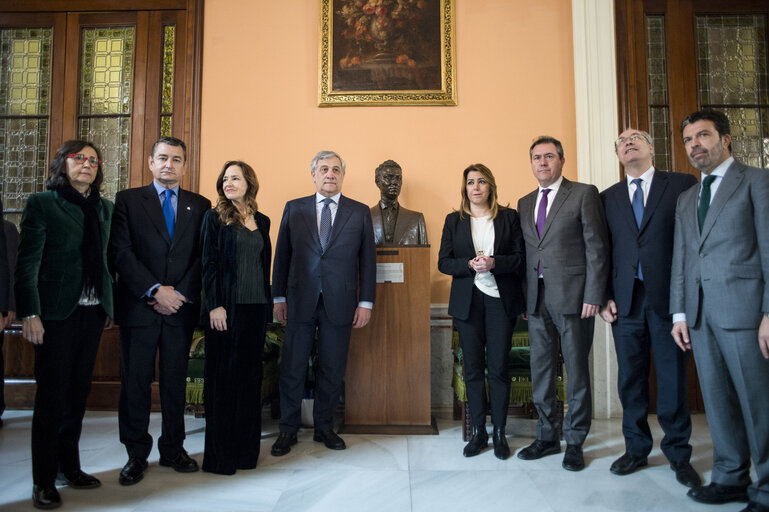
column 92, row 249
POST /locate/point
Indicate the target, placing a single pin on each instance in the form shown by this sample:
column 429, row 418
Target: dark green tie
column 702, row 209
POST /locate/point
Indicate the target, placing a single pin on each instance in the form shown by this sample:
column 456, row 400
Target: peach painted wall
column 514, row 65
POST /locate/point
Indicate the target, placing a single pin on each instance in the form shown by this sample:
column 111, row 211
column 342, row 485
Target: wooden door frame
column 189, row 26
column 632, row 70
column 188, row 18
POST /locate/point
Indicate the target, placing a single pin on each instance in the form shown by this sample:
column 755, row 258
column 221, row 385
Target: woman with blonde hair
column 235, row 240
column 482, row 249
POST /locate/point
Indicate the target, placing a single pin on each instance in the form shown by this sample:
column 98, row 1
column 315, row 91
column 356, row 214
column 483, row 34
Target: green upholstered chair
column 521, row 400
column 270, row 371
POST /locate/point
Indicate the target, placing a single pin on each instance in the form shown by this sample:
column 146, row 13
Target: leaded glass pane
column 166, row 126
column 655, row 49
column 25, row 71
column 25, row 87
column 169, row 50
column 105, row 100
column 659, row 128
column 747, row 142
column 112, row 136
column 106, row 71
column 732, row 60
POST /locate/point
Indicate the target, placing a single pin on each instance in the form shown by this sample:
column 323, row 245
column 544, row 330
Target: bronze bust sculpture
column 394, row 224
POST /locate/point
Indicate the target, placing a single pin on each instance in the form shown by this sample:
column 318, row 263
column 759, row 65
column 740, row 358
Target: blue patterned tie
column 325, row 223
column 168, row 213
column 638, row 210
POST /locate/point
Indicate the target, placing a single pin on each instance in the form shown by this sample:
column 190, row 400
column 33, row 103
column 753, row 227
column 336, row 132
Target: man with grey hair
column 324, row 281
column 640, row 214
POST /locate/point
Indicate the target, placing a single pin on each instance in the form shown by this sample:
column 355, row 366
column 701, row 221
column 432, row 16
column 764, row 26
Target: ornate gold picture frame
column 387, row 52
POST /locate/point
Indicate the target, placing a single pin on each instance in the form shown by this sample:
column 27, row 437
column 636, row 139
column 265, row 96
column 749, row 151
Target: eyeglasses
column 632, row 138
column 80, row 158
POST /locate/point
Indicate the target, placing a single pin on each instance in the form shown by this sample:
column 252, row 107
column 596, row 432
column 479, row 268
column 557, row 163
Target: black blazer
column 652, row 244
column 219, row 261
column 142, row 254
column 457, row 249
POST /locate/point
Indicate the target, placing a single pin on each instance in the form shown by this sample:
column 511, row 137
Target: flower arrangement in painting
column 382, row 30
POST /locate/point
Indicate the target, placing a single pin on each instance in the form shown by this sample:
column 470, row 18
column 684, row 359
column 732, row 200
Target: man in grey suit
column 392, row 223
column 719, row 298
column 324, row 281
column 564, row 229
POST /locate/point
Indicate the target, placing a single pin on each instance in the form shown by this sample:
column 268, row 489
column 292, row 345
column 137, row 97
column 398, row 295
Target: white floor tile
column 375, row 473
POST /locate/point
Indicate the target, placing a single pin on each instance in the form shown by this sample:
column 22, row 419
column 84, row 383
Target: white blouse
column 482, row 229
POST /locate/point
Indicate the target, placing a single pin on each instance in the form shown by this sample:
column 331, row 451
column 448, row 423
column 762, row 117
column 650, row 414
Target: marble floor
column 376, row 473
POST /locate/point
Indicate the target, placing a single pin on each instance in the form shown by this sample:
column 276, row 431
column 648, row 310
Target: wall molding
column 595, row 91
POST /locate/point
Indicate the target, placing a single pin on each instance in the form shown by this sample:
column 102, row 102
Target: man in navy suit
column 324, row 280
column 640, row 214
column 154, row 249
column 719, row 298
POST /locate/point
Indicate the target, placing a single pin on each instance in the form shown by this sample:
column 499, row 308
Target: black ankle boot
column 478, row 442
column 501, row 449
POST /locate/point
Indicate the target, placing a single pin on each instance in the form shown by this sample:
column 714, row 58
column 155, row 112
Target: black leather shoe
column 330, row 439
column 78, row 480
column 714, row 494
column 755, row 507
column 181, row 462
column 45, row 497
column 685, row 474
column 539, row 449
column 627, row 464
column 283, row 444
column 133, row 471
column 573, row 459
column 478, row 442
column 501, row 449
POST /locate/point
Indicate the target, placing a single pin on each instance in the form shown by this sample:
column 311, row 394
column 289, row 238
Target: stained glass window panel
column 732, row 62
column 112, row 136
column 169, row 49
column 659, row 126
column 25, row 89
column 106, row 71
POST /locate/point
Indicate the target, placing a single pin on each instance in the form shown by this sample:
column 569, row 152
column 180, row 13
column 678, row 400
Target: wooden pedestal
column 387, row 386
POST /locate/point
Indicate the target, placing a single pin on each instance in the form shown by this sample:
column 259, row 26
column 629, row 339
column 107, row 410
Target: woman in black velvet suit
column 482, row 249
column 235, row 240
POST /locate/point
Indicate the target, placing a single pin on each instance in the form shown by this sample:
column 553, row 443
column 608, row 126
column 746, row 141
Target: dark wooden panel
column 388, row 370
column 88, row 5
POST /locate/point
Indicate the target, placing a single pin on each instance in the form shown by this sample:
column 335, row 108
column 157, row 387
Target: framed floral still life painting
column 387, row 52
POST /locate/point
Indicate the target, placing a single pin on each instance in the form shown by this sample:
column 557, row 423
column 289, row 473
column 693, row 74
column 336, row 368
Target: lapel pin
column 188, row 208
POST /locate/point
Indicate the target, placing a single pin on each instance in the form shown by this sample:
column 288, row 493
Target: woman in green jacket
column 64, row 298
